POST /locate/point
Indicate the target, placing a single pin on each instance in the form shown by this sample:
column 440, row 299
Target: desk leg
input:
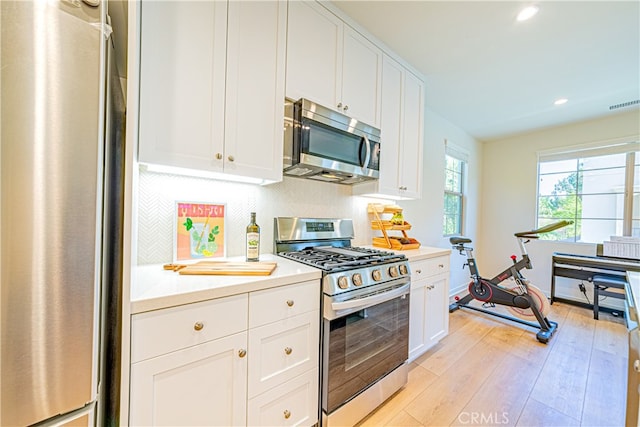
column 553, row 284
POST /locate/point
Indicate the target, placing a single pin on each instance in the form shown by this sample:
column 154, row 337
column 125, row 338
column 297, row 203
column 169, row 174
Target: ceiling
column 494, row 77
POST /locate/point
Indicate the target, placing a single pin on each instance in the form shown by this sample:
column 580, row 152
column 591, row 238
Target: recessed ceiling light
column 527, row 13
column 560, row 101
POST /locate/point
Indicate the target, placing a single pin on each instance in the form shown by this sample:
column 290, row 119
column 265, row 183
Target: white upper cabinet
column 410, row 158
column 212, row 86
column 330, row 63
column 314, row 54
column 401, row 134
column 182, row 83
column 255, row 89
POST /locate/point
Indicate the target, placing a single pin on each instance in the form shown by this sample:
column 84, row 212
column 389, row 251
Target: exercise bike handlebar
column 533, row 234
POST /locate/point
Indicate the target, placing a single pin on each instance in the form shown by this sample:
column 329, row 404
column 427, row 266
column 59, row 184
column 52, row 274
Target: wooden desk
column 584, row 267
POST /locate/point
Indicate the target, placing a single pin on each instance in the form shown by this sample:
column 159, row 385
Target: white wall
column 509, row 192
column 426, row 214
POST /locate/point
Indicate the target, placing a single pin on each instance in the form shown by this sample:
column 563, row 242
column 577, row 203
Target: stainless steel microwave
column 325, row 145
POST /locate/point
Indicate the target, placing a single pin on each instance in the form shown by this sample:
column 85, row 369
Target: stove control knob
column 393, row 271
column 343, row 282
column 376, row 275
column 357, row 279
column 403, row 269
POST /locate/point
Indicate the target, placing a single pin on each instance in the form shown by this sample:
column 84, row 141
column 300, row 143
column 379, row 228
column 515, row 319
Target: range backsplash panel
column 159, row 192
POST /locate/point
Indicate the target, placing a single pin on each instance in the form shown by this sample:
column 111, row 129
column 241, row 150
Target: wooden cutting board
column 226, row 268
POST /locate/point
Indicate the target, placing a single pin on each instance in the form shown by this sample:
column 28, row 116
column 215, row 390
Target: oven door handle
column 360, row 303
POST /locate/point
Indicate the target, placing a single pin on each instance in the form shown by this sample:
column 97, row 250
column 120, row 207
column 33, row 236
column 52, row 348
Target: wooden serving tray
column 395, row 244
column 224, row 268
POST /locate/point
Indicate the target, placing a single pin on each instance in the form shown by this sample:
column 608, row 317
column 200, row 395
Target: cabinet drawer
column 294, row 403
column 162, row 331
column 429, row 267
column 275, row 304
column 282, row 350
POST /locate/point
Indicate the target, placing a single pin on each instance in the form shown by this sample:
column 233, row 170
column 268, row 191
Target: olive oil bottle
column 253, row 239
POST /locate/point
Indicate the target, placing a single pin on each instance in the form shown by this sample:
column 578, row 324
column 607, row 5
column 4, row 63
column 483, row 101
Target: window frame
column 630, row 147
column 458, row 194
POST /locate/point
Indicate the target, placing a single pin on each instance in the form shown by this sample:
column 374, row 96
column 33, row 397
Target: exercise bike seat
column 459, row 240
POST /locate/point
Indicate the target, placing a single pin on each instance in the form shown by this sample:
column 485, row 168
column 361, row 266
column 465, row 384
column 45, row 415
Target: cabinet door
column 200, row 385
column 255, row 89
column 314, row 54
column 182, row 83
column 417, row 321
column 437, row 309
column 390, row 128
column 361, row 78
column 412, row 136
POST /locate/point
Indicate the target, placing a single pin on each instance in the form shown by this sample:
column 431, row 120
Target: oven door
column 364, row 345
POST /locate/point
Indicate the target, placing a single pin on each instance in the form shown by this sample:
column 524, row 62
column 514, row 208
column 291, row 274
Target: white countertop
column 154, row 288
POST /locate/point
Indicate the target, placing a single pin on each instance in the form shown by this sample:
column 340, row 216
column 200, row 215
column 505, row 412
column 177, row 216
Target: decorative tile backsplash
column 159, row 192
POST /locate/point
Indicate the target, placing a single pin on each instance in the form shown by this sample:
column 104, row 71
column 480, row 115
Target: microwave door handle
column 367, row 157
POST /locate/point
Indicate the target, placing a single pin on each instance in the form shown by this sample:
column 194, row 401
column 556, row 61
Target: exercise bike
column 521, row 298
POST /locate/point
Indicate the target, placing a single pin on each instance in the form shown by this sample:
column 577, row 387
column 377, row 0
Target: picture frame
column 199, row 230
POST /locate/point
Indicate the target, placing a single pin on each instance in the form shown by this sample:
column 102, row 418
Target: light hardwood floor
column 489, row 371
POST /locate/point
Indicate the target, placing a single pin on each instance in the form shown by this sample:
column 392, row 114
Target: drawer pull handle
column 288, row 350
column 242, row 352
column 287, row 414
column 198, row 326
column 290, row 302
column 419, row 271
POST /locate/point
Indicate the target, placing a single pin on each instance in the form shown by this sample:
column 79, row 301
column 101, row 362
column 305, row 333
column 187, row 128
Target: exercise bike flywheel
column 480, row 291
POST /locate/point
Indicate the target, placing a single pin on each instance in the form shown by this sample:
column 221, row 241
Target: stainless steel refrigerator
column 60, row 213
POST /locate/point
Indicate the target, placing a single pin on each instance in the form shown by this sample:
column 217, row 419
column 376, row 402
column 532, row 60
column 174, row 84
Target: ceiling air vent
column 624, row 104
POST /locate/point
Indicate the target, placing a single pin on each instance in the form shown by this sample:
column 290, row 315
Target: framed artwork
column 199, row 231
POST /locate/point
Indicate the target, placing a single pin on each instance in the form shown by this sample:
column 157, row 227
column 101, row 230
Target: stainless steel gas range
column 365, row 306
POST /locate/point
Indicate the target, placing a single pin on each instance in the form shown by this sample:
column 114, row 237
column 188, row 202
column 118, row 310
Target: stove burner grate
column 337, row 259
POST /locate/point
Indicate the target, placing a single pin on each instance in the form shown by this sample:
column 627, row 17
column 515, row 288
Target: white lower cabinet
column 282, row 350
column 207, row 363
column 294, row 403
column 200, row 385
column 429, row 309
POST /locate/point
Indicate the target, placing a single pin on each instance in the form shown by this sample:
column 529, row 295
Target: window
column 598, row 188
column 453, row 195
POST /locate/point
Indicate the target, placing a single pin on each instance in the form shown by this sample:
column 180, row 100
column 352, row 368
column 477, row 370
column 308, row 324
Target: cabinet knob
column 441, row 265
column 288, row 350
column 636, row 365
column 290, row 302
column 419, row 271
column 346, row 107
column 219, row 156
column 287, row 414
column 242, row 352
column 198, row 326
column 340, row 105
column 231, row 158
